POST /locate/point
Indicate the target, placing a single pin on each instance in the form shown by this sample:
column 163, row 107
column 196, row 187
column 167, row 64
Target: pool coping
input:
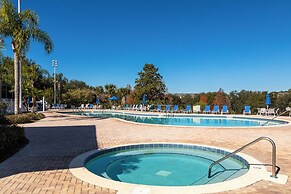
column 255, row 174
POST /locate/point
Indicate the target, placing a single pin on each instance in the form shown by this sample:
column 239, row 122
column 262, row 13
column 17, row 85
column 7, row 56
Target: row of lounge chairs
column 175, row 109
column 216, row 110
column 268, row 112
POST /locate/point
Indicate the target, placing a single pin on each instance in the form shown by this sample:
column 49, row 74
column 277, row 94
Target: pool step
column 220, row 176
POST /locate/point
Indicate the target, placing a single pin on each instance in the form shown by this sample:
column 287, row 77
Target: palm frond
column 42, row 37
column 29, row 18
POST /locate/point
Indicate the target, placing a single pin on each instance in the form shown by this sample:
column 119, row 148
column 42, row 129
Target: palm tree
column 110, row 89
column 21, row 28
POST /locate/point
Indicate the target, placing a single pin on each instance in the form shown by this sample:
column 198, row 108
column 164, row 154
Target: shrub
column 4, row 120
column 3, row 107
column 23, row 118
column 12, row 138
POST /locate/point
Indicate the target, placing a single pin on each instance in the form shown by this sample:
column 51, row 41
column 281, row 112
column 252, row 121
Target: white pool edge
column 256, row 173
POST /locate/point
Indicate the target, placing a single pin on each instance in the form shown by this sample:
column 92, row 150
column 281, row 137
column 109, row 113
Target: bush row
column 12, row 138
column 20, row 118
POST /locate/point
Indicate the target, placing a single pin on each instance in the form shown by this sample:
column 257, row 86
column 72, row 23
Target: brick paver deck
column 42, row 166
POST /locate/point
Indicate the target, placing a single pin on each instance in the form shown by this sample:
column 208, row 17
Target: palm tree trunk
column 16, row 84
column 33, row 104
column 1, row 88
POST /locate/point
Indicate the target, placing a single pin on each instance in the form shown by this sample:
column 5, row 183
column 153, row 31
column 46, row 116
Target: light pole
column 55, row 64
column 20, row 73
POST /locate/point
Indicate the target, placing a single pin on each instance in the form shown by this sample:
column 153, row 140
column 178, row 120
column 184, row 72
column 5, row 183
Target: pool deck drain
column 42, row 166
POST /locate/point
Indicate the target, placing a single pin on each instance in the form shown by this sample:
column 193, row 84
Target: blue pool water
column 165, row 165
column 185, row 120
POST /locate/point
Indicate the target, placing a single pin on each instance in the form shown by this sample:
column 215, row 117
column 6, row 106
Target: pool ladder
column 274, row 171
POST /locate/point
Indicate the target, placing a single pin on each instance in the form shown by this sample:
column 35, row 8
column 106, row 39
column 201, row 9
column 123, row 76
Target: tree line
column 38, row 82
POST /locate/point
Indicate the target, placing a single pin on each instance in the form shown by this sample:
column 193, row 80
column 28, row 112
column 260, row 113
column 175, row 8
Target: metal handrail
column 245, row 146
column 287, row 110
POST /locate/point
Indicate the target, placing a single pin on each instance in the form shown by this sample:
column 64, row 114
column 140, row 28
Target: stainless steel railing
column 274, row 173
column 288, row 109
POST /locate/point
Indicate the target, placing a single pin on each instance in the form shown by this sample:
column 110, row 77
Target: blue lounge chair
column 90, row 106
column 187, row 109
column 224, row 110
column 158, row 108
column 247, row 110
column 167, row 108
column 215, row 109
column 207, row 109
column 175, row 109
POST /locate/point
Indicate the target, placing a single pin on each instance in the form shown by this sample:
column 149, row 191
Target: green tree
column 187, row 100
column 221, row 99
column 1, row 49
column 61, row 86
column 76, row 84
column 151, row 83
column 99, row 89
column 21, row 28
column 110, row 89
column 283, row 100
column 6, row 73
column 123, row 92
column 78, row 96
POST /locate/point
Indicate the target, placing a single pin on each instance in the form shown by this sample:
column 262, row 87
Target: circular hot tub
column 165, row 165
column 166, row 168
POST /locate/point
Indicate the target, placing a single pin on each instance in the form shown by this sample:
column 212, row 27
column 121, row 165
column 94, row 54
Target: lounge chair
column 272, row 111
column 224, row 110
column 159, row 108
column 137, row 107
column 207, row 109
column 133, row 107
column 196, row 109
column 91, row 106
column 262, row 111
column 187, row 109
column 168, row 107
column 247, row 110
column 215, row 109
column 175, row 109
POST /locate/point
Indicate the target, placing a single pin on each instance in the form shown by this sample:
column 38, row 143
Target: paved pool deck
column 43, row 165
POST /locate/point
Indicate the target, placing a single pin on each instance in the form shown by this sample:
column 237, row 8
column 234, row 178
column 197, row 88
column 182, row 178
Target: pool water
column 184, row 120
column 165, row 166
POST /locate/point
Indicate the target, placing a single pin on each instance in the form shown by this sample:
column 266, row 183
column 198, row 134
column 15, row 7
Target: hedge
column 20, row 118
column 12, row 138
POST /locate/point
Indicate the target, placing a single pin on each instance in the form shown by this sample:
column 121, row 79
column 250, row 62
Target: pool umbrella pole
column 268, row 100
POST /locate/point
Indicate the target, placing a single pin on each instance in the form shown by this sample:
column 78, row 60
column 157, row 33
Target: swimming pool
column 186, row 120
column 165, row 165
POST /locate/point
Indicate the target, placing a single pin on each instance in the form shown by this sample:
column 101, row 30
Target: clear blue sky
column 198, row 45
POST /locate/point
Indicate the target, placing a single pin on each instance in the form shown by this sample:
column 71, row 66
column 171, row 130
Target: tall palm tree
column 1, row 55
column 21, row 28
